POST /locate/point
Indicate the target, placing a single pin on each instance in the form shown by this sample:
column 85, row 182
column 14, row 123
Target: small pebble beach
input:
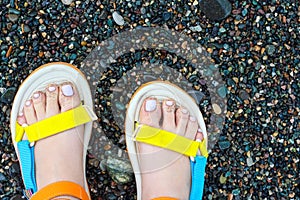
column 255, row 147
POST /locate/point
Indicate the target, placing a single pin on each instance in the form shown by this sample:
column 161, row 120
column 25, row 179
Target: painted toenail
column 28, row 103
column 21, row 114
column 36, row 95
column 193, row 119
column 51, row 89
column 169, row 103
column 199, row 130
column 184, row 111
column 150, row 105
column 67, row 90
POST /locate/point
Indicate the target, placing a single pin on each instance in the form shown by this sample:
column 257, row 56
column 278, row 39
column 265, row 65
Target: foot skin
column 60, row 156
column 164, row 172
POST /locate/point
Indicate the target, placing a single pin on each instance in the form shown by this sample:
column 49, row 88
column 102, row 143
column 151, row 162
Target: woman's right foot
column 164, row 172
column 58, row 157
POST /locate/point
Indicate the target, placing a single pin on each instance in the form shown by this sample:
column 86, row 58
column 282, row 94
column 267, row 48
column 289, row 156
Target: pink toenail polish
column 51, row 89
column 184, row 111
column 28, row 103
column 150, row 105
column 67, row 90
column 36, row 95
column 192, row 118
column 169, row 103
column 199, row 130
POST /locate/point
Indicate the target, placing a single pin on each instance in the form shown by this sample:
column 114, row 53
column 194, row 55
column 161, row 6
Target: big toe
column 150, row 112
column 68, row 97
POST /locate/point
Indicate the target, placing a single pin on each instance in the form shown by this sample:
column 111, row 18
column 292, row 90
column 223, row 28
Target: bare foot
column 59, row 157
column 164, row 172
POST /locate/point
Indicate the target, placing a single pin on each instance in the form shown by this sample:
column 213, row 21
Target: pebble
column 249, row 162
column 2, row 177
column 224, row 144
column 8, row 95
column 120, row 170
column 118, row 18
column 67, row 2
column 216, row 109
column 196, row 28
column 222, row 91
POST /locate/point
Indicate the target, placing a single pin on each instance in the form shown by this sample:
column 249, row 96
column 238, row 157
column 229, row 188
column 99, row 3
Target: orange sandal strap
column 62, row 188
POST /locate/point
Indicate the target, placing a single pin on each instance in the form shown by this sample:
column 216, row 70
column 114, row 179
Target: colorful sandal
column 164, row 139
column 83, row 114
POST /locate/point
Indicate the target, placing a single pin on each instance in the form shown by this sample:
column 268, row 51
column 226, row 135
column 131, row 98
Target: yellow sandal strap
column 56, row 124
column 169, row 140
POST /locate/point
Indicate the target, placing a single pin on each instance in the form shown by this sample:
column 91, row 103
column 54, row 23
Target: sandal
column 142, row 133
column 38, row 80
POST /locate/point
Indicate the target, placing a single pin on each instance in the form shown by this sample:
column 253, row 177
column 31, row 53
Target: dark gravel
column 256, row 50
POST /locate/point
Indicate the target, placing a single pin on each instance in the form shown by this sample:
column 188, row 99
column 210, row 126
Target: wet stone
column 2, row 177
column 13, row 17
column 17, row 197
column 120, row 106
column 166, row 16
column 224, row 144
column 236, row 192
column 271, row 49
column 8, row 95
column 120, row 170
column 118, row 18
column 67, row 2
column 222, row 92
column 250, row 162
column 243, row 95
column 197, row 28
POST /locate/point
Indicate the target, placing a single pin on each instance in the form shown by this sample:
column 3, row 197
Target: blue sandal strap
column 198, row 172
column 26, row 153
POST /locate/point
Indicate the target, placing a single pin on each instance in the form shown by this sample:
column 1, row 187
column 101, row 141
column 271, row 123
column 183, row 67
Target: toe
column 52, row 107
column 150, row 113
column 21, row 119
column 68, row 97
column 192, row 127
column 29, row 112
column 199, row 135
column 182, row 118
column 39, row 104
column 168, row 110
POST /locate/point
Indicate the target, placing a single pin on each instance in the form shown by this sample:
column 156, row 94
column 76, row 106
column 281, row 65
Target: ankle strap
column 62, row 188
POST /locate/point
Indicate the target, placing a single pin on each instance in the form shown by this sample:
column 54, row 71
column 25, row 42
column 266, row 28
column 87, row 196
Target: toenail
column 21, row 114
column 169, row 103
column 184, row 111
column 36, row 95
column 51, row 89
column 199, row 130
column 193, row 119
column 67, row 90
column 150, row 105
column 28, row 103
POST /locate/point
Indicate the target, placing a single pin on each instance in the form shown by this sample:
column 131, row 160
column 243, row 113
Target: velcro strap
column 56, row 124
column 62, row 188
column 26, row 154
column 198, row 173
column 169, row 140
